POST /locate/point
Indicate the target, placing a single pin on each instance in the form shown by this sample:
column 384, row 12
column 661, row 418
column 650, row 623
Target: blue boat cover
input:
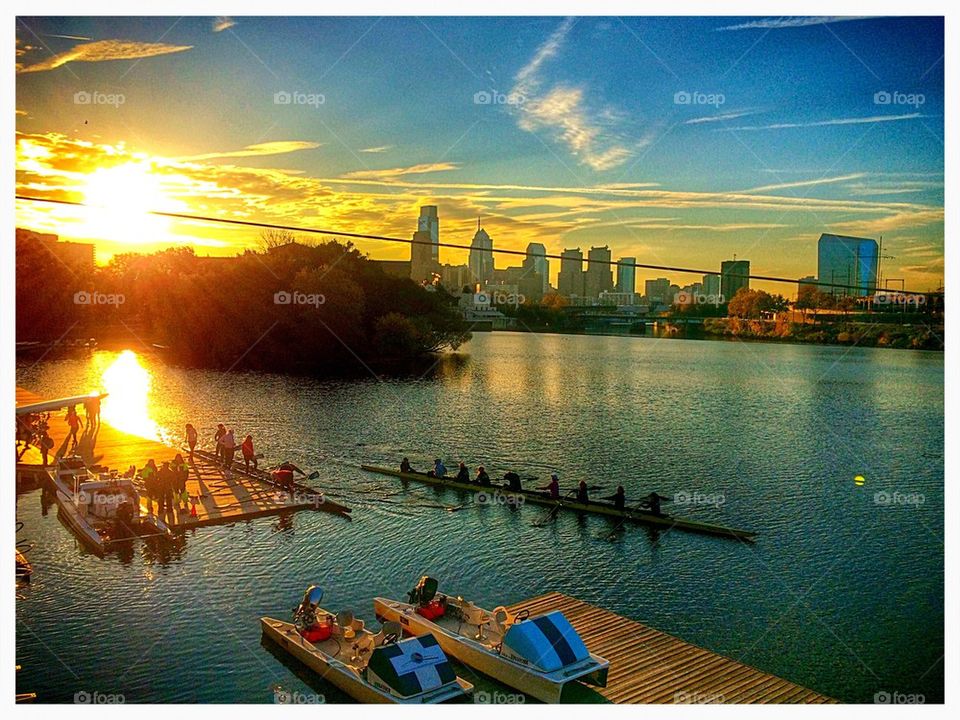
column 547, row 642
column 410, row 667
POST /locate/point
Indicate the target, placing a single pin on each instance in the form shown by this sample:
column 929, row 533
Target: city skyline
column 684, row 165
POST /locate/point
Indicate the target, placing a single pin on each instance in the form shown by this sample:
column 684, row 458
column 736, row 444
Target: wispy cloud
column 377, row 149
column 722, row 117
column 825, row 123
column 223, row 23
column 780, row 23
column 562, row 109
column 278, row 147
column 103, row 50
column 387, row 173
column 806, row 183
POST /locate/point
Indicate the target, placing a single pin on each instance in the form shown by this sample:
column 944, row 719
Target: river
column 842, row 592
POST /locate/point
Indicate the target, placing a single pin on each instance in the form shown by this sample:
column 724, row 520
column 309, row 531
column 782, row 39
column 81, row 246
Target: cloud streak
column 826, row 123
column 278, row 147
column 782, row 23
column 387, row 173
column 223, row 23
column 105, row 50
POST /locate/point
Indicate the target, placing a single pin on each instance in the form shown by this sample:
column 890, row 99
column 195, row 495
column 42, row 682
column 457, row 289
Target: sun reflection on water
column 127, row 405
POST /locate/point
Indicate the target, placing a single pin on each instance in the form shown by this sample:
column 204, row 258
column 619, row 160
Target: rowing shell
column 595, row 508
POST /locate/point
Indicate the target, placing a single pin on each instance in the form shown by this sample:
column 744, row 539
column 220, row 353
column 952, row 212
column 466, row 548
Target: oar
column 553, row 511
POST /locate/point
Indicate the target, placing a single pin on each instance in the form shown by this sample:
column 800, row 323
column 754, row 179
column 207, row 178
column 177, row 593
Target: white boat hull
column 547, row 687
column 344, row 676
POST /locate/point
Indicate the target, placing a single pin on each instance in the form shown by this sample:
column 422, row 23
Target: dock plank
column 649, row 666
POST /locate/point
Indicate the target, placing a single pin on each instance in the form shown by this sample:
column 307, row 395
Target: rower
column 582, row 495
column 652, row 504
column 482, row 477
column 463, row 474
column 405, row 466
column 512, row 480
column 553, row 488
column 439, row 469
column 619, row 498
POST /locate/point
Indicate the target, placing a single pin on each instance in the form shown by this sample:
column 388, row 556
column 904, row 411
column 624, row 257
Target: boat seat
column 390, row 627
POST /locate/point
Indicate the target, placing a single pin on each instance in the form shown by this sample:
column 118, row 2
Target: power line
column 365, row 236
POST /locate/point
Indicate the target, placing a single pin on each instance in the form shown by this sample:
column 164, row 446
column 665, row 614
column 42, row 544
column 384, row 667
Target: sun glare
column 123, row 195
column 126, row 407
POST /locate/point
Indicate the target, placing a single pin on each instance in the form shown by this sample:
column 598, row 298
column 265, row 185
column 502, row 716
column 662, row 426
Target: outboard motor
column 424, row 591
column 305, row 614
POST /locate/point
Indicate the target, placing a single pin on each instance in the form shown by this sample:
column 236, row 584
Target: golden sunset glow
column 127, row 384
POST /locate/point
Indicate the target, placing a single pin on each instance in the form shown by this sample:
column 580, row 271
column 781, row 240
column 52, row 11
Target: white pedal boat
column 536, row 655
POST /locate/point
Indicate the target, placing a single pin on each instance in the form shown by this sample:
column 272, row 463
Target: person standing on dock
column 166, row 482
column 217, row 436
column 191, row 439
column 249, row 456
column 149, row 476
column 229, row 445
column 92, row 409
column 46, row 445
column 553, row 487
column 181, row 472
column 75, row 423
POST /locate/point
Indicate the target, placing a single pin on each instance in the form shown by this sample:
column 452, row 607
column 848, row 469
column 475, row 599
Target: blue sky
column 676, row 140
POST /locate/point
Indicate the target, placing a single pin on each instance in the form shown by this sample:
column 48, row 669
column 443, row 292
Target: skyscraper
column 537, row 257
column 626, row 275
column 422, row 264
column 429, row 221
column 481, row 256
column 658, row 292
column 845, row 260
column 599, row 276
column 734, row 274
column 711, row 284
column 570, row 279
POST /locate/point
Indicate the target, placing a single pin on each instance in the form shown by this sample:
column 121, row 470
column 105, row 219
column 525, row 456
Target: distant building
column 734, row 275
column 657, row 292
column 456, row 277
column 845, row 260
column 620, row 299
column 481, row 256
column 537, row 258
column 711, row 285
column 79, row 257
column 570, row 278
column 422, row 265
column 599, row 276
column 626, row 275
column 429, row 221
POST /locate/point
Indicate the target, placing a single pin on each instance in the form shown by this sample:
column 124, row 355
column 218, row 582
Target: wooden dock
column 649, row 666
column 220, row 497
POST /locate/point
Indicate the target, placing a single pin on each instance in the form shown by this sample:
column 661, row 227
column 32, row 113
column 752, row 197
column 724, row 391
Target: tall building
column 711, row 284
column 422, row 264
column 657, row 292
column 626, row 275
column 734, row 274
column 599, row 276
column 481, row 256
column 570, row 279
column 845, row 260
column 537, row 258
column 429, row 221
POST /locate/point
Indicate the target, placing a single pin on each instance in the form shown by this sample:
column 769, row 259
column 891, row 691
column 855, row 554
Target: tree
column 275, row 237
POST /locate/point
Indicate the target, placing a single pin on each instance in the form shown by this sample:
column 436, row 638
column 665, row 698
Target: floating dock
column 221, row 497
column 649, row 666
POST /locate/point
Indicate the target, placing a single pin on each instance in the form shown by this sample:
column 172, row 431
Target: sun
column 121, row 198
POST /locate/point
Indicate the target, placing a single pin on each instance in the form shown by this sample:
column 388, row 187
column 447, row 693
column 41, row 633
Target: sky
column 678, row 141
